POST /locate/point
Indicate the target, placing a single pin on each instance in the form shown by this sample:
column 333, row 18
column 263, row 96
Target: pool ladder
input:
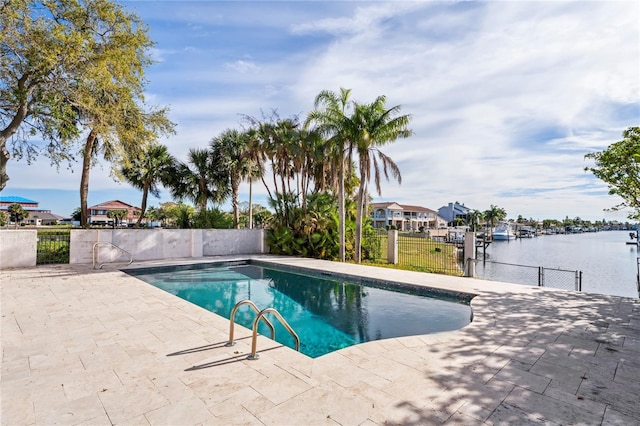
column 105, row 243
column 260, row 316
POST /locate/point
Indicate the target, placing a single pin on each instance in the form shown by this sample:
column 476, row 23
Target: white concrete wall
column 18, row 248
column 217, row 242
column 154, row 244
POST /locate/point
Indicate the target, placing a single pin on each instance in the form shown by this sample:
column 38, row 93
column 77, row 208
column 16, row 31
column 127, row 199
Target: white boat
column 503, row 232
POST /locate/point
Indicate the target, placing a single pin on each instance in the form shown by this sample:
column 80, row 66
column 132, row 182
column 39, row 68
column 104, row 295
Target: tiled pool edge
column 511, row 366
column 273, row 263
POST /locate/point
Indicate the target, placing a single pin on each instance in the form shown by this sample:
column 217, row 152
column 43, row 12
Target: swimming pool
column 327, row 312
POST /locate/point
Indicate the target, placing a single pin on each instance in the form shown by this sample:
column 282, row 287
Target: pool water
column 328, row 313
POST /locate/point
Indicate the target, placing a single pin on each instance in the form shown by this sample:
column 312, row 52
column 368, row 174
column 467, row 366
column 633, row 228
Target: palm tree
column 231, row 150
column 17, row 213
column 201, row 184
column 377, row 126
column 472, row 219
column 117, row 216
column 331, row 120
column 494, row 214
column 155, row 166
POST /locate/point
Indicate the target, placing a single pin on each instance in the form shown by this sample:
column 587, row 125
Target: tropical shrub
column 307, row 232
column 213, row 219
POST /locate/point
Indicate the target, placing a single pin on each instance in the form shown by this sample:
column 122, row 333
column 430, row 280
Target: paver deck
column 101, row 347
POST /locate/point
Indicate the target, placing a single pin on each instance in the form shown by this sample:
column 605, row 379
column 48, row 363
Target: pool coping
column 530, row 355
column 373, row 282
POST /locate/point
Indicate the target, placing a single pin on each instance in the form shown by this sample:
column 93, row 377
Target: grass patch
column 416, row 253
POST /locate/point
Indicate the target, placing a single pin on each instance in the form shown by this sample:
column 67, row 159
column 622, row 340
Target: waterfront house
column 452, row 211
column 99, row 214
column 405, row 217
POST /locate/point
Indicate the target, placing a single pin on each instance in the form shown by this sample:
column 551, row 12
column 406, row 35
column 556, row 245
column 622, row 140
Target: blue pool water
column 327, row 313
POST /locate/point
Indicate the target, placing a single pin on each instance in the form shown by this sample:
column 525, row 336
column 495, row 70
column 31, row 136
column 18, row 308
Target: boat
column 526, row 232
column 503, row 231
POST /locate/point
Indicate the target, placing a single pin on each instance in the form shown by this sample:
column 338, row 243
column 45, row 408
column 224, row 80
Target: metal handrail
column 257, row 311
column 112, row 245
column 254, row 340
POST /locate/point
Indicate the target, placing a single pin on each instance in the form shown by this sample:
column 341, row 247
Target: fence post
column 540, row 276
column 392, row 246
column 578, row 280
column 470, row 254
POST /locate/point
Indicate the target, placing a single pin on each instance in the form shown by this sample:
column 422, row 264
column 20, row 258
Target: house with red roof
column 99, row 214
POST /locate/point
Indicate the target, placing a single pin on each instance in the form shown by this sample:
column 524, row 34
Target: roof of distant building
column 403, row 207
column 15, row 199
column 44, row 215
column 110, row 205
column 416, row 208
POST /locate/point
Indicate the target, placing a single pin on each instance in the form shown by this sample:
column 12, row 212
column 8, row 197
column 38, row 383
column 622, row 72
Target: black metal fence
column 53, row 246
column 416, row 251
column 529, row 275
column 374, row 245
column 420, row 252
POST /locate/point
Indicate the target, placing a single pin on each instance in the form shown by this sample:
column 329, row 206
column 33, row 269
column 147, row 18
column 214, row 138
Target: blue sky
column 506, row 98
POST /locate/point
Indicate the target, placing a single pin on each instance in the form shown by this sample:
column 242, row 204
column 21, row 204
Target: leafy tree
column 494, row 214
column 75, row 216
column 117, row 216
column 332, row 121
column 619, row 167
column 200, row 179
column 262, row 217
column 110, row 101
column 213, row 219
column 34, row 82
column 180, row 214
column 294, row 154
column 64, row 63
column 377, row 126
column 473, row 218
column 17, row 213
column 3, row 219
column 232, row 150
column 153, row 167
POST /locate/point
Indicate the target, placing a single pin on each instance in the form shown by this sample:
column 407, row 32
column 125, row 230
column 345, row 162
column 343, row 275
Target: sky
column 505, row 98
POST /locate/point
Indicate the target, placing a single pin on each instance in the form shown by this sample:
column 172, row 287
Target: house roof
column 15, row 199
column 111, row 205
column 44, row 215
column 397, row 206
column 417, row 208
column 392, row 205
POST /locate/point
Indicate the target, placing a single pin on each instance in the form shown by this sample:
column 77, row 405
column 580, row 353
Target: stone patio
column 101, row 347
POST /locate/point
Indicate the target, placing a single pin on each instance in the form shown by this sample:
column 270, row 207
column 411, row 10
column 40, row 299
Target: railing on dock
column 530, row 275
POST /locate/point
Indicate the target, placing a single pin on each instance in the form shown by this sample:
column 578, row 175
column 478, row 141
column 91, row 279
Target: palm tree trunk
column 362, row 190
column 234, row 202
column 84, row 179
column 341, row 214
column 143, row 206
column 250, row 203
column 360, row 202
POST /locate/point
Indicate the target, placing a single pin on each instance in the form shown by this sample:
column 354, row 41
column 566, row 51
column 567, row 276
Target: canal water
column 608, row 264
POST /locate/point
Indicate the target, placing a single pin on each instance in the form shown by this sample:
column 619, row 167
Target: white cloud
column 242, row 66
